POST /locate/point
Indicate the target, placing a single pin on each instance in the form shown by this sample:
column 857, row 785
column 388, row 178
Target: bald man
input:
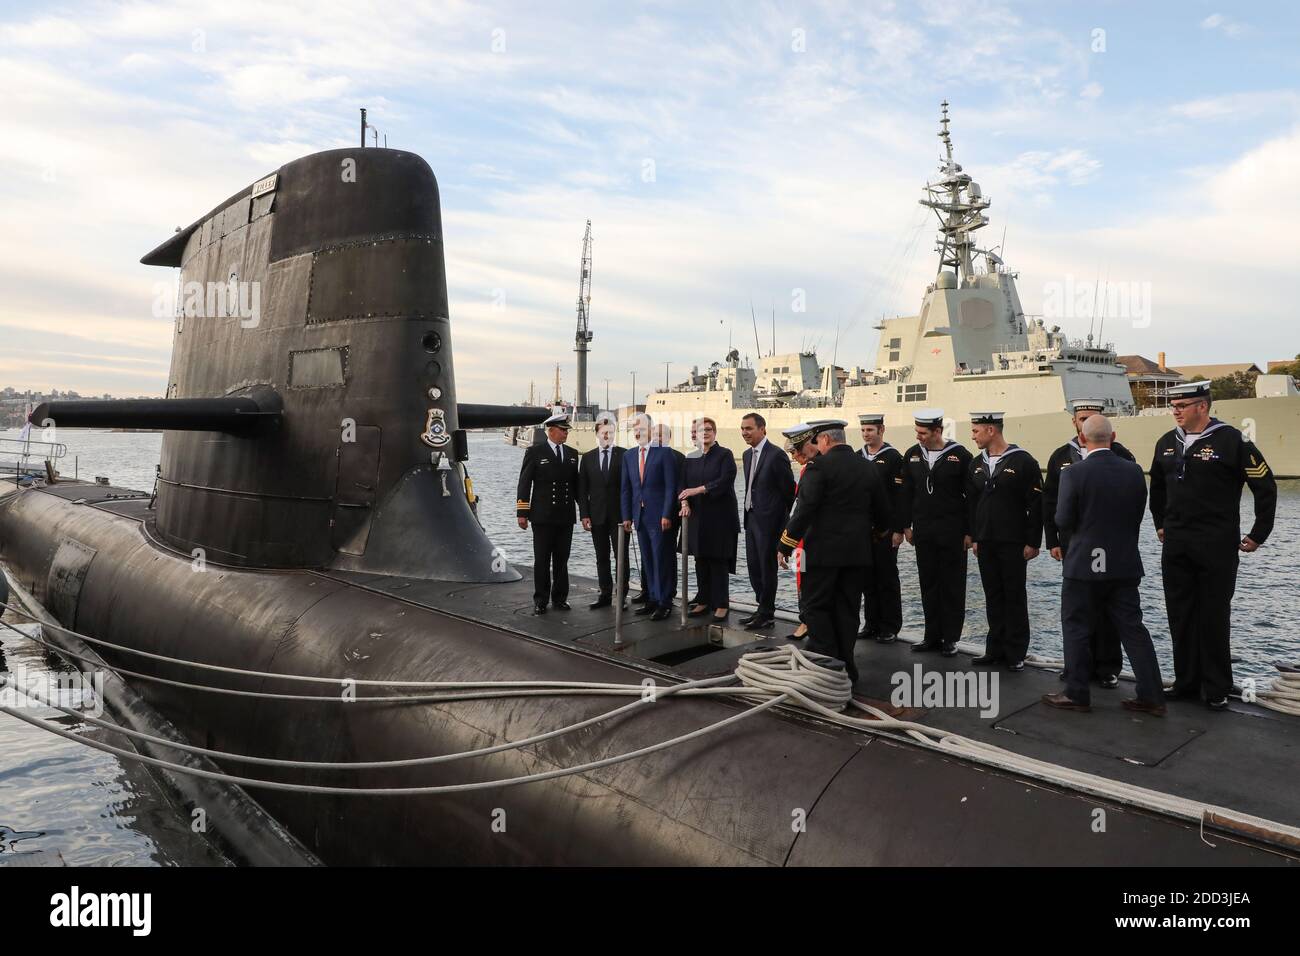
column 1099, row 513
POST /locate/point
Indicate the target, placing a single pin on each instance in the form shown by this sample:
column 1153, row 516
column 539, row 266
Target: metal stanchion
column 686, row 590
column 620, row 579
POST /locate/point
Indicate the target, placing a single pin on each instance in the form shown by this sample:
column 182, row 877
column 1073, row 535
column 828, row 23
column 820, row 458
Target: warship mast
column 959, row 205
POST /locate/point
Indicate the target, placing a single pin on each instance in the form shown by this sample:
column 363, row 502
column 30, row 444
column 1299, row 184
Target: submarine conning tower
column 311, row 416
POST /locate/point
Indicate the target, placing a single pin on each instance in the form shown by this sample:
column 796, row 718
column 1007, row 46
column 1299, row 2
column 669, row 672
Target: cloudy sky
column 725, row 153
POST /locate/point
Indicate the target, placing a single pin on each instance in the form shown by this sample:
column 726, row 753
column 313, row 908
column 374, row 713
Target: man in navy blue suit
column 649, row 502
column 769, row 493
column 1099, row 512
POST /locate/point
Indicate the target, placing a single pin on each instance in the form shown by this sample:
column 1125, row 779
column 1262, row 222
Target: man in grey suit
column 1099, row 511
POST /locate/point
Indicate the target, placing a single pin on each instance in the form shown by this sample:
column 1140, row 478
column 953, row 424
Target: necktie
column 643, row 463
column 604, row 462
column 753, row 470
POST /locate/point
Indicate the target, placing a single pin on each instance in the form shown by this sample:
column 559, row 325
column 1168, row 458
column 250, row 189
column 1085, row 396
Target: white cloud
column 1224, row 24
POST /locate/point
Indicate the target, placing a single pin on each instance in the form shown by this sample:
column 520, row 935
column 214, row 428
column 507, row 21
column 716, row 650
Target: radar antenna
column 959, row 206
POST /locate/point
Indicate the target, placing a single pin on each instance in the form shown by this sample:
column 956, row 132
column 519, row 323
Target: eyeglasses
column 1183, row 406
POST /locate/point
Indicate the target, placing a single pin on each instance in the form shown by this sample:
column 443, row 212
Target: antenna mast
column 959, row 205
column 583, row 335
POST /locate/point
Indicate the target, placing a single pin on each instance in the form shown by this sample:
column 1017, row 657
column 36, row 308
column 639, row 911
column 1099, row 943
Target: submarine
column 311, row 547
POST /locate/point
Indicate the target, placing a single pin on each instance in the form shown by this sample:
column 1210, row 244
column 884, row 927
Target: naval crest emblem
column 435, row 429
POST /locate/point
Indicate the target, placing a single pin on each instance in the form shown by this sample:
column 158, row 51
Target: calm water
column 95, row 809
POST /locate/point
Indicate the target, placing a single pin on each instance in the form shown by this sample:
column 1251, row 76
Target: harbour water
column 94, row 809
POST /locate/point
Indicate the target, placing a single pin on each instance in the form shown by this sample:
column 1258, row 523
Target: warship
column 971, row 346
column 307, row 598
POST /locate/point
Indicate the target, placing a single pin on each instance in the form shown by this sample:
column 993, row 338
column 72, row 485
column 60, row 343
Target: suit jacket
column 679, row 464
column 655, row 497
column 598, row 494
column 773, row 490
column 1067, row 455
column 715, row 524
column 843, row 506
column 1099, row 511
column 548, row 487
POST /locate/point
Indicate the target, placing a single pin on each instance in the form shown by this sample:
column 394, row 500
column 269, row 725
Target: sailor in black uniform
column 934, row 513
column 548, row 496
column 1196, row 479
column 882, row 596
column 842, row 505
column 1107, row 656
column 1005, row 496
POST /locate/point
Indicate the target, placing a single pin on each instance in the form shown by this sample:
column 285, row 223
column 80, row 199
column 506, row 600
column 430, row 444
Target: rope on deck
column 785, row 674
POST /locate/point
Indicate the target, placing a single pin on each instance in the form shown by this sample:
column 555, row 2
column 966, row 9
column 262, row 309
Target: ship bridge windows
column 894, row 346
column 911, row 393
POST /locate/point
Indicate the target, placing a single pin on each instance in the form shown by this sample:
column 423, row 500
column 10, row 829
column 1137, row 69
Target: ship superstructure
column 969, row 346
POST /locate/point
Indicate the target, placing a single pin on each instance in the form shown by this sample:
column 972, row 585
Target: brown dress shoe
column 1144, row 706
column 1065, row 703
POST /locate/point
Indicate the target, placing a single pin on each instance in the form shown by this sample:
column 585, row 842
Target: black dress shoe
column 886, row 638
column 1220, row 704
column 539, row 608
column 641, row 598
column 866, row 634
column 749, row 619
column 924, row 647
column 719, row 620
column 1061, row 674
column 661, row 613
column 646, row 608
column 1177, row 693
column 562, row 605
column 603, row 601
column 1108, row 681
column 760, row 623
column 1015, row 667
column 948, row 650
column 693, row 612
column 984, row 660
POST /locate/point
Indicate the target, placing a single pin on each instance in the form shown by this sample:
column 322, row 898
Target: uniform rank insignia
column 1168, row 451
column 915, row 458
column 953, row 458
column 1009, row 471
column 435, row 429
column 1256, row 470
column 1206, row 454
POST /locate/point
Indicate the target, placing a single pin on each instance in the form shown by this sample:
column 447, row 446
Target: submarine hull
column 778, row 788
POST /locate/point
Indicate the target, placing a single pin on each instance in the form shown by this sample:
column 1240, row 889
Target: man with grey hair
column 841, row 508
column 1099, row 513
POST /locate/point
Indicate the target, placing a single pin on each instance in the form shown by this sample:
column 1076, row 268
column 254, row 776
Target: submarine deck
column 1243, row 759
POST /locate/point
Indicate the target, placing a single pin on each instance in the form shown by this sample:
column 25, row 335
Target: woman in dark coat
column 709, row 500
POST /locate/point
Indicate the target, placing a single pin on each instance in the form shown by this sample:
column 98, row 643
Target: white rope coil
column 790, row 669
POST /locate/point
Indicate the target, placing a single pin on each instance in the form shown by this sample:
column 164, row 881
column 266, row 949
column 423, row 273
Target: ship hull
column 1274, row 423
column 752, row 793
